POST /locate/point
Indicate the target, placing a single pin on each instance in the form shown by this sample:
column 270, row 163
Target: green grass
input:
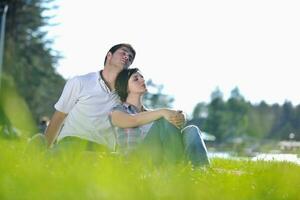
column 30, row 172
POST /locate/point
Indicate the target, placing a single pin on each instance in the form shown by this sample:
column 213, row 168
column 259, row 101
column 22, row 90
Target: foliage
column 154, row 98
column 237, row 118
column 28, row 57
column 34, row 173
column 15, row 116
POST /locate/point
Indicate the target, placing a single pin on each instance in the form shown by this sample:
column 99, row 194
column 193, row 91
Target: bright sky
column 189, row 46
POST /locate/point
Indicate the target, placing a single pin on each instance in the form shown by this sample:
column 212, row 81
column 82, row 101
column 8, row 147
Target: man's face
column 123, row 57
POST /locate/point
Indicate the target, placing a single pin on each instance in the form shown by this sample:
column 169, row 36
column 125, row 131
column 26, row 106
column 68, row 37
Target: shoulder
column 87, row 77
column 83, row 79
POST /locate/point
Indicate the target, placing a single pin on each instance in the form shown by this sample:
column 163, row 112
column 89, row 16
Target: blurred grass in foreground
column 15, row 117
column 31, row 172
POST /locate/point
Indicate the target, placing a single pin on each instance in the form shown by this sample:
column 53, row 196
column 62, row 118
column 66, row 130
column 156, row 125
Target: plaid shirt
column 129, row 138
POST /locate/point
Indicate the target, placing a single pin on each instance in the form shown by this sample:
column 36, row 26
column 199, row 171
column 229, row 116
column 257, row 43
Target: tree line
column 237, row 117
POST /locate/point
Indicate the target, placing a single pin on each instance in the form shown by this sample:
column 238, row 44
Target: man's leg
column 75, row 145
column 195, row 148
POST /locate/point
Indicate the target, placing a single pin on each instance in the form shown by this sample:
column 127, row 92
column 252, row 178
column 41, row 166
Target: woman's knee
column 191, row 129
column 168, row 125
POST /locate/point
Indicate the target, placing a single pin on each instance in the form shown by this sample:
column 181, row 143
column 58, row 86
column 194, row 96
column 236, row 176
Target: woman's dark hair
column 118, row 46
column 122, row 82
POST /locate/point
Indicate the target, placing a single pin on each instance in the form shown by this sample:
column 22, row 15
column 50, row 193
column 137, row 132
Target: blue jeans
column 194, row 146
column 165, row 142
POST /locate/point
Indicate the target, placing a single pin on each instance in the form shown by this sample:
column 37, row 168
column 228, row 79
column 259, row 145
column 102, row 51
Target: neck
column 135, row 100
column 110, row 75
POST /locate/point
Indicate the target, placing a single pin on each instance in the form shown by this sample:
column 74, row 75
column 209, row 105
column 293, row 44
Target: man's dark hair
column 118, row 46
column 122, row 82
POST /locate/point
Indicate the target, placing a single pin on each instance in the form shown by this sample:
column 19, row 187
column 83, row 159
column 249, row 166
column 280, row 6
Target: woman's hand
column 175, row 117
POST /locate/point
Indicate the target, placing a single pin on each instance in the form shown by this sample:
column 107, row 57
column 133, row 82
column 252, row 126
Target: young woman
column 154, row 133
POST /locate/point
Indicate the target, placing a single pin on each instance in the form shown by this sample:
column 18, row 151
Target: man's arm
column 54, row 127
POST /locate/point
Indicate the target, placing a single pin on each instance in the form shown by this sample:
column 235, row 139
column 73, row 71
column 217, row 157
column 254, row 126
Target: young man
column 82, row 112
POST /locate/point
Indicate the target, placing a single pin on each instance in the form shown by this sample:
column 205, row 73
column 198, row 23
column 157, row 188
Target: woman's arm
column 125, row 120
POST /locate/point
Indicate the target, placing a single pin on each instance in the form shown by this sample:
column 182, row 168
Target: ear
column 108, row 56
column 128, row 89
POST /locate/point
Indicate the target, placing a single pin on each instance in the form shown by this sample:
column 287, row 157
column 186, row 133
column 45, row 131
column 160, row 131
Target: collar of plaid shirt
column 133, row 109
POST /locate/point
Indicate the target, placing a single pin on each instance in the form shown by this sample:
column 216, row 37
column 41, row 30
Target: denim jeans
column 194, row 146
column 165, row 142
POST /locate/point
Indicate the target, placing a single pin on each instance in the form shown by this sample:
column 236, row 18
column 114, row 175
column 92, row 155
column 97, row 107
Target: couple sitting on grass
column 103, row 108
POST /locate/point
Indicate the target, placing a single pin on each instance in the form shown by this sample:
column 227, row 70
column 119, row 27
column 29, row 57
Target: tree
column 28, row 55
column 216, row 120
column 283, row 126
column 200, row 111
column 235, row 94
column 216, row 94
column 261, row 118
column 296, row 122
column 154, row 98
column 237, row 110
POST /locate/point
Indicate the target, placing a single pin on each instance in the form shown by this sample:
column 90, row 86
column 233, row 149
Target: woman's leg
column 194, row 146
column 163, row 142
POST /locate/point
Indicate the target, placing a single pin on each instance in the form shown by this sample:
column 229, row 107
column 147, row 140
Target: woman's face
column 136, row 84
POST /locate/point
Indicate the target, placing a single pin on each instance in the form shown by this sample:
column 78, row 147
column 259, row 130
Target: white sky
column 190, row 46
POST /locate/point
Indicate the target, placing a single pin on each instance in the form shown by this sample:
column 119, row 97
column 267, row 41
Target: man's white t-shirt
column 87, row 101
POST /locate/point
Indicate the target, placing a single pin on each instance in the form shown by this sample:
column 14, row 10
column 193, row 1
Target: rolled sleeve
column 119, row 107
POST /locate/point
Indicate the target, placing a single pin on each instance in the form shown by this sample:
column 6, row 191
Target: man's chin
column 125, row 66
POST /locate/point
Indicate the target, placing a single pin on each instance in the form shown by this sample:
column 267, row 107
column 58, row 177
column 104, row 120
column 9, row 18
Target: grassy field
column 30, row 172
